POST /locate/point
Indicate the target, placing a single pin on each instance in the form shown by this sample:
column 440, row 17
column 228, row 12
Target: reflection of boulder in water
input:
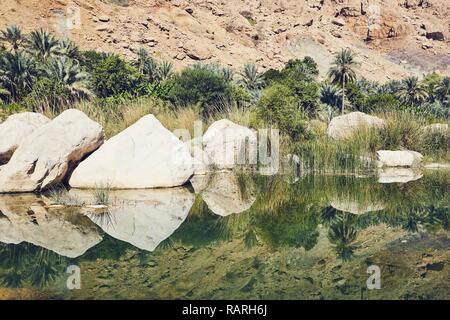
column 355, row 207
column 144, row 218
column 200, row 182
column 398, row 175
column 227, row 194
column 27, row 218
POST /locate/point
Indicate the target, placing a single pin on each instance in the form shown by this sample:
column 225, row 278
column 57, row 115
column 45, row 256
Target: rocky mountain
column 392, row 38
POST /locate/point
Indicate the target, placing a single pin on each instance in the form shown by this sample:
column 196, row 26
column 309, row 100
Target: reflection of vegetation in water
column 294, row 226
column 60, row 195
column 109, row 248
column 288, row 215
column 26, row 263
column 104, row 218
column 328, row 216
column 199, row 229
column 342, row 234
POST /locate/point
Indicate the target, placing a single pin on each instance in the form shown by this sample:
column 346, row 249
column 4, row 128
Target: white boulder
column 145, row 155
column 201, row 161
column 399, row 158
column 343, row 127
column 48, row 155
column 15, row 129
column 228, row 144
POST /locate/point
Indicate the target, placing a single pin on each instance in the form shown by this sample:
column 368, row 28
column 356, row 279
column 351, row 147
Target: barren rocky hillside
column 393, row 38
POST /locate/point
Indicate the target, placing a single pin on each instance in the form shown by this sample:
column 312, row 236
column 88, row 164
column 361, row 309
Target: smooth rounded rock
column 48, row 156
column 15, row 129
column 145, row 155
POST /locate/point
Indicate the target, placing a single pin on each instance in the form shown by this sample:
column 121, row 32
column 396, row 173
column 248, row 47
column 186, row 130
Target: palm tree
column 442, row 90
column 330, row 95
column 367, row 87
column 142, row 57
column 227, row 74
column 12, row 36
column 412, row 92
column 165, row 71
column 146, row 65
column 68, row 73
column 17, row 75
column 3, row 80
column 342, row 71
column 390, row 87
column 68, row 48
column 251, row 79
column 42, row 44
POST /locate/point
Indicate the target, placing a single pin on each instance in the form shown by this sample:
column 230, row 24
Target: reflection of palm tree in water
column 414, row 219
column 328, row 216
column 26, row 262
column 342, row 234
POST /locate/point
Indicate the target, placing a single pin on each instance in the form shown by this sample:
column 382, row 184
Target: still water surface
column 234, row 236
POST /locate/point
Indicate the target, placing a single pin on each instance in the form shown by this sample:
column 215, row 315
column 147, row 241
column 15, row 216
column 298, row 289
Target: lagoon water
column 235, row 236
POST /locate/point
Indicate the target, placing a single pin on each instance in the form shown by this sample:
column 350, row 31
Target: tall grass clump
column 61, row 196
column 101, row 194
column 406, row 130
column 436, row 143
column 323, row 154
column 402, row 130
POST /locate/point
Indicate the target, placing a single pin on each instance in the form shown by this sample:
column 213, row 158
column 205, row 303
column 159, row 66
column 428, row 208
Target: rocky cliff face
column 393, row 38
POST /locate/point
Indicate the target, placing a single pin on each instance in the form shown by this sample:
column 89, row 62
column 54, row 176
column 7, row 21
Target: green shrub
column 113, row 76
column 436, row 143
column 273, row 75
column 279, row 107
column 47, row 94
column 202, row 87
column 90, row 59
column 299, row 76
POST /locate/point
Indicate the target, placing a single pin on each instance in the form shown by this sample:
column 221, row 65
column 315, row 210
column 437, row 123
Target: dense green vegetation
column 41, row 73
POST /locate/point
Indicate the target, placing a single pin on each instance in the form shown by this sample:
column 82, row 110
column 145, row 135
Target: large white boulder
column 26, row 218
column 145, row 155
column 48, row 155
column 343, row 127
column 228, row 144
column 201, row 161
column 144, row 218
column 15, row 129
column 399, row 158
column 224, row 195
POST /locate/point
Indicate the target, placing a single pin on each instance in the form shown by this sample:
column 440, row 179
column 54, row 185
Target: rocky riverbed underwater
column 234, row 236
